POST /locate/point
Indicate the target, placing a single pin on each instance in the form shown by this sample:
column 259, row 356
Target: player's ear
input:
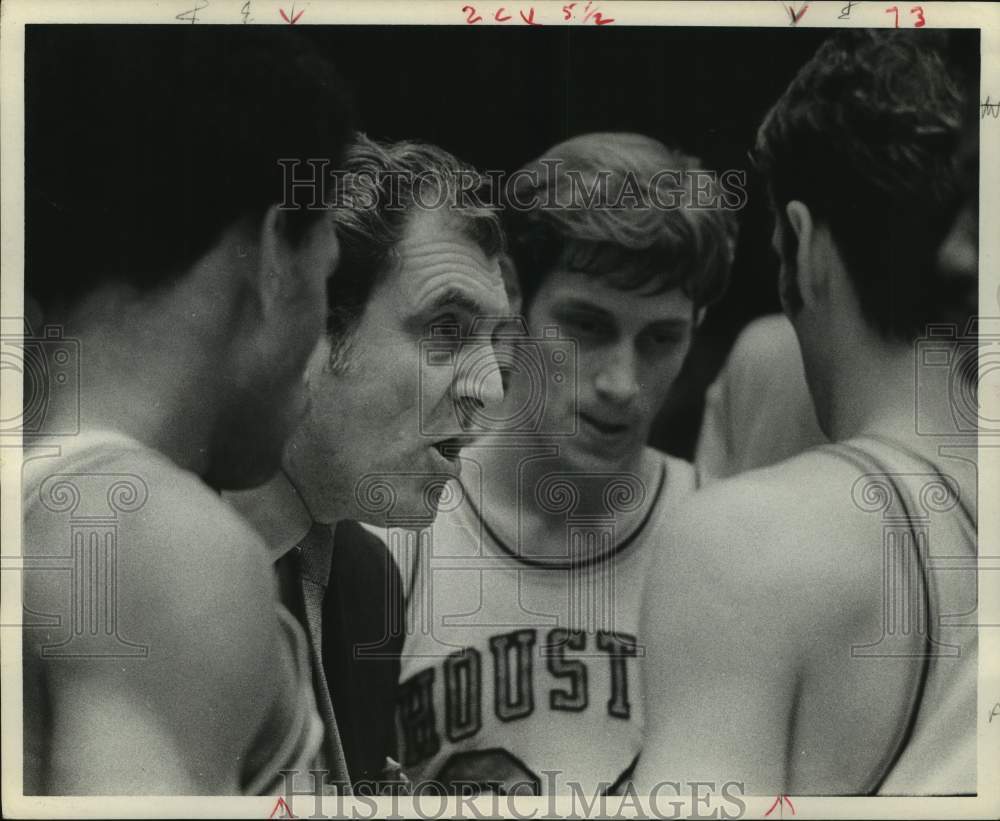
column 809, row 269
column 510, row 283
column 275, row 270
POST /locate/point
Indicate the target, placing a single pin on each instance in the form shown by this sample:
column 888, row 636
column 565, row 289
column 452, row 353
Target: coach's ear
column 810, row 257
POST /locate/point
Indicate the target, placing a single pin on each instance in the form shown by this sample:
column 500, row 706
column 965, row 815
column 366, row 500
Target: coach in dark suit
column 420, row 262
column 363, row 631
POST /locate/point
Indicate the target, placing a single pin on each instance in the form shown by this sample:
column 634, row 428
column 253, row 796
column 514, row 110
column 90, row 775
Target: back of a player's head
column 144, row 143
column 958, row 254
column 866, row 137
column 617, row 206
column 380, row 187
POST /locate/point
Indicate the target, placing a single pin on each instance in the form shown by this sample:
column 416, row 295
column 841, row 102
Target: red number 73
column 917, row 10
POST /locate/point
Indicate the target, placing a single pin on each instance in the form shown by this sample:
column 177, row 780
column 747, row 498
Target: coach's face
column 630, row 347
column 381, row 430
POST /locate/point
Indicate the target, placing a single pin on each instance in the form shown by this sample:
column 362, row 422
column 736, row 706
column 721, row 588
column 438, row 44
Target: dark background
column 498, row 97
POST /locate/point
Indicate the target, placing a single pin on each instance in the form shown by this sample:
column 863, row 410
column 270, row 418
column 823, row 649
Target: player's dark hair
column 631, row 241
column 143, row 143
column 866, row 136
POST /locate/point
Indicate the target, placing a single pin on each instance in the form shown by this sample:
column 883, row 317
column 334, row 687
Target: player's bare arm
column 193, row 586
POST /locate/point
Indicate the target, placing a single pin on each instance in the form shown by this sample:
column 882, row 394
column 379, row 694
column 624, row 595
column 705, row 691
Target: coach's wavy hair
column 636, row 246
column 379, row 187
column 866, row 136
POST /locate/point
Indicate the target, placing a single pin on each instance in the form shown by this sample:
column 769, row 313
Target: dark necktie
column 315, row 553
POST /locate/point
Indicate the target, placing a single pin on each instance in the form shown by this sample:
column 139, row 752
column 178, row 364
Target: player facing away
column 404, row 269
column 156, row 658
column 520, row 670
column 814, row 630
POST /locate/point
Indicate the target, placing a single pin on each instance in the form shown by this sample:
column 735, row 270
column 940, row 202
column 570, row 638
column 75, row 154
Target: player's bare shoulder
column 172, row 543
column 784, row 527
column 165, row 611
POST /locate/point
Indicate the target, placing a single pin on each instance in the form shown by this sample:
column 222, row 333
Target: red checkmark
column 283, row 806
column 780, row 802
column 796, row 16
column 295, row 17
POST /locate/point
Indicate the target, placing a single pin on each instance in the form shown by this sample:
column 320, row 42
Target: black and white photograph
column 447, row 409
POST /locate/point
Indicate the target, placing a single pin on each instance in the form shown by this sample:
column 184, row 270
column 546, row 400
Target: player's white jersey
column 937, row 597
column 523, row 674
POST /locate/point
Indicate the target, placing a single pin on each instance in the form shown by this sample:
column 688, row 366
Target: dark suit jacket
column 363, row 632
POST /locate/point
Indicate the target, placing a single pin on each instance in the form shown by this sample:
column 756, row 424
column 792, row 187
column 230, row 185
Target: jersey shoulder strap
column 865, row 457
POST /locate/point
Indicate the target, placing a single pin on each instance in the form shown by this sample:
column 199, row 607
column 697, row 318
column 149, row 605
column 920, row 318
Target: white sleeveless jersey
column 935, row 597
column 519, row 677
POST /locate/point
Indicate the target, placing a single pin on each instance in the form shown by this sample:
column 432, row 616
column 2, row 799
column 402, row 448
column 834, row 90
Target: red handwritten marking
column 282, row 805
column 780, row 801
column 295, row 17
column 503, row 15
column 796, row 16
column 599, row 19
column 920, row 22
